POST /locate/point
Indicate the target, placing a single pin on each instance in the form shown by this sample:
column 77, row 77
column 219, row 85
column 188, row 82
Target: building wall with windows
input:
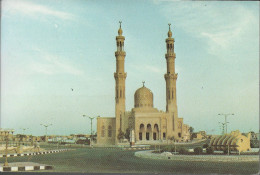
column 106, row 130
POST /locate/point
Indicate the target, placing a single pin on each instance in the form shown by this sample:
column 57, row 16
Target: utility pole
column 6, row 147
column 223, row 127
column 91, row 118
column 226, row 115
column 24, row 129
column 46, row 129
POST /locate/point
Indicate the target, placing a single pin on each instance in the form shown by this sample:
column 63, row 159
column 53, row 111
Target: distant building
column 6, row 132
column 199, row 135
column 235, row 141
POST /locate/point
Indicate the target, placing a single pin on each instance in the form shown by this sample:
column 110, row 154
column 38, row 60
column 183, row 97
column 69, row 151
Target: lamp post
column 24, row 129
column 226, row 115
column 6, row 145
column 91, row 118
column 46, row 129
column 223, row 127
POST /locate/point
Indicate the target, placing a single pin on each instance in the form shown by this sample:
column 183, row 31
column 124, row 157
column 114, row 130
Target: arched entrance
column 141, row 132
column 156, row 132
column 149, row 132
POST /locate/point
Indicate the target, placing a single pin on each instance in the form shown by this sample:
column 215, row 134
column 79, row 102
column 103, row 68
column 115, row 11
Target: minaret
column 120, row 76
column 170, row 78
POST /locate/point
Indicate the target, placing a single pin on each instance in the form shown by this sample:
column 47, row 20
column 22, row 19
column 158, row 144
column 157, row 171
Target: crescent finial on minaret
column 169, row 32
column 120, row 31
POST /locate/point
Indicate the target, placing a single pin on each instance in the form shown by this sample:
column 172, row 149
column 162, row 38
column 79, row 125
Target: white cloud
column 223, row 27
column 50, row 64
column 13, row 7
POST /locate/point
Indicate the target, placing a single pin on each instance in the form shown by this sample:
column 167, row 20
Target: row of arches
column 120, row 46
column 109, row 131
column 170, row 48
column 148, row 133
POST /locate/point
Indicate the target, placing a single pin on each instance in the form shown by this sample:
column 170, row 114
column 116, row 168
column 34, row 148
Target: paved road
column 100, row 160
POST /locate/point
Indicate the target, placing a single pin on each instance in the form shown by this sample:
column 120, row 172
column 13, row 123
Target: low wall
column 214, row 158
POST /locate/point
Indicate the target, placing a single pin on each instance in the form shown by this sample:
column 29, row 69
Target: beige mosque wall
column 106, row 130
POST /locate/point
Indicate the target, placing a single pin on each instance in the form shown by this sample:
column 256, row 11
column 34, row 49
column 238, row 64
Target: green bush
column 254, row 143
column 182, row 150
column 198, row 150
column 209, row 150
column 205, row 145
column 225, row 151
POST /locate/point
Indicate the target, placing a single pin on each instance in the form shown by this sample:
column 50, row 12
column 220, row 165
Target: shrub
column 167, row 149
column 198, row 150
column 209, row 150
column 205, row 145
column 182, row 150
column 225, row 151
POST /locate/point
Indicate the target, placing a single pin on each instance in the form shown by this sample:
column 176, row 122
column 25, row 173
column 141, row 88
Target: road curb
column 36, row 153
column 25, row 166
column 200, row 158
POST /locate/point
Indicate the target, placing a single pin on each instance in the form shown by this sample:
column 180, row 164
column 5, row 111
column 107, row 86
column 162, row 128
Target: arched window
column 103, row 131
column 120, row 93
column 156, row 127
column 172, row 94
column 109, row 131
column 120, row 46
column 141, row 126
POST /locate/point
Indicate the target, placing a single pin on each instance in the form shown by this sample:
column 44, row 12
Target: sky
column 49, row 47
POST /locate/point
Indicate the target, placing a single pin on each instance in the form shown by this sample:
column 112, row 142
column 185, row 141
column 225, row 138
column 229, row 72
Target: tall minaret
column 170, row 78
column 120, row 76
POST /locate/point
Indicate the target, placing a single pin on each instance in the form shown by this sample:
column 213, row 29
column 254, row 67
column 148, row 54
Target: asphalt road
column 102, row 160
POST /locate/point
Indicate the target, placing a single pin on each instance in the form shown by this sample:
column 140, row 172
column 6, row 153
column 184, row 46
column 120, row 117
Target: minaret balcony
column 170, row 76
column 169, row 39
column 170, row 55
column 120, row 75
column 120, row 53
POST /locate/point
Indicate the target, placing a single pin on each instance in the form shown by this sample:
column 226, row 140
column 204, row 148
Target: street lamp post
column 226, row 115
column 24, row 129
column 6, row 145
column 223, row 127
column 46, row 129
column 91, row 118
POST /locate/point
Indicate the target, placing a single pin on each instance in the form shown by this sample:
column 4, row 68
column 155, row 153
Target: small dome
column 120, row 31
column 170, row 34
column 143, row 97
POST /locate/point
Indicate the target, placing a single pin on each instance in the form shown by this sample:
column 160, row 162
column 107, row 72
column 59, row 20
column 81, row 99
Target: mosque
column 146, row 124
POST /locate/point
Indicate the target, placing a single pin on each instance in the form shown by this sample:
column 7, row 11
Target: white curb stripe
column 29, row 168
column 14, row 168
column 42, row 167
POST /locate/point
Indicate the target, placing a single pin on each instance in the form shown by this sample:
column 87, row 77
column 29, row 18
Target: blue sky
column 49, row 47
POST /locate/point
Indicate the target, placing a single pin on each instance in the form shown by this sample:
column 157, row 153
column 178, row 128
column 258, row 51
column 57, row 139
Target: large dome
column 143, row 97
